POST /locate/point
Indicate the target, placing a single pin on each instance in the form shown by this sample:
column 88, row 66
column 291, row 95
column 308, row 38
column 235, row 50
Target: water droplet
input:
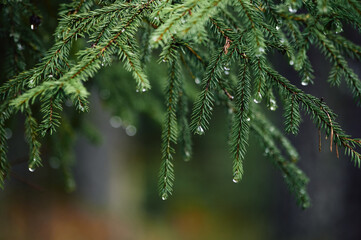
column 282, row 40
column 266, row 151
column 291, row 62
column 20, row 47
column 272, row 105
column 164, row 196
column 248, row 119
column 144, row 90
column 235, row 180
column 137, row 90
column 226, row 68
column 197, row 81
column 155, row 18
column 302, row 192
column 8, row 133
column 305, row 81
column 50, row 76
column 339, row 31
column 292, row 10
column 187, row 153
column 230, row 110
column 200, row 130
column 81, row 108
column 260, row 51
column 102, row 64
column 130, row 130
column 115, row 122
column 258, row 98
column 31, row 169
column 339, row 28
column 226, row 72
column 32, row 26
column 277, row 28
column 31, row 83
column 123, row 30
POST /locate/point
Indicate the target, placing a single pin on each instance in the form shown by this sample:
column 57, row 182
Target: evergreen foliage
column 223, row 46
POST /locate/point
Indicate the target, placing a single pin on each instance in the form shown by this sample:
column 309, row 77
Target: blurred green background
column 117, row 198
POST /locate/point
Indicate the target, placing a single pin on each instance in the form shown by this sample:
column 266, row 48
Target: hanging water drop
column 20, row 47
column 305, row 81
column 235, row 180
column 81, row 108
column 291, row 62
column 123, row 30
column 164, row 196
column 266, row 151
column 50, row 76
column 339, row 31
column 258, row 98
column 277, row 27
column 338, row 27
column 31, row 83
column 292, row 10
column 282, row 40
column 155, row 18
column 31, row 165
column 272, row 105
column 226, row 68
column 248, row 119
column 226, row 72
column 200, row 130
column 197, row 81
column 144, row 90
column 32, row 26
column 260, row 51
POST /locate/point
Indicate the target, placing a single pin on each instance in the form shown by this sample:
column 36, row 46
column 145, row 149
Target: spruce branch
column 203, row 107
column 170, row 130
column 240, row 122
column 208, row 39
